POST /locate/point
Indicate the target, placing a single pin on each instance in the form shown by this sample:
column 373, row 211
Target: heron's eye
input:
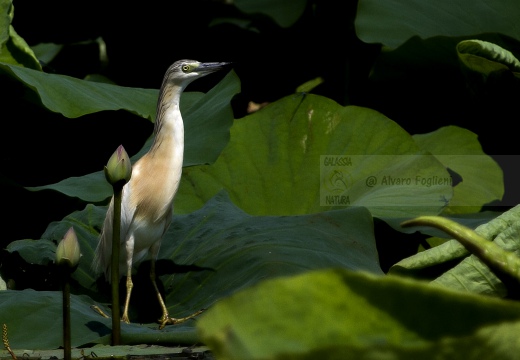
column 185, row 68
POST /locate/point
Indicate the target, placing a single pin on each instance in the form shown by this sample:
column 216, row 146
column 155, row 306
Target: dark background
column 143, row 40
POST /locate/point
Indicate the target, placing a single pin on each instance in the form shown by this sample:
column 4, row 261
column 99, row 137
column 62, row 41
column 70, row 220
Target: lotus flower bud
column 118, row 168
column 68, row 252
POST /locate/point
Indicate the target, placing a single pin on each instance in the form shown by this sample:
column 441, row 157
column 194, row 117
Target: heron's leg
column 129, row 286
column 159, row 296
column 129, row 283
column 165, row 318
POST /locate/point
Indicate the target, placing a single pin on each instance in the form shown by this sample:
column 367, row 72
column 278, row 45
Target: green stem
column 116, row 317
column 504, row 264
column 66, row 316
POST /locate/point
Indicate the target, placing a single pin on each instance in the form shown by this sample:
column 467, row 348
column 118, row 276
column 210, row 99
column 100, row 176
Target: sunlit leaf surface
column 339, row 314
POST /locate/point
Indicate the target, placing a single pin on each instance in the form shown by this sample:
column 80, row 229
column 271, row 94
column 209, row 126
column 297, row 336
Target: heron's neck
column 169, row 126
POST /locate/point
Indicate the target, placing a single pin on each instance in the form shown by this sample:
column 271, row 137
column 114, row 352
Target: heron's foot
column 167, row 320
column 125, row 318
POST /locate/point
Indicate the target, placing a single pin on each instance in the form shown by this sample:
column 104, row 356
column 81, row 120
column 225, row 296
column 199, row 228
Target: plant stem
column 66, row 316
column 116, row 318
column 504, row 264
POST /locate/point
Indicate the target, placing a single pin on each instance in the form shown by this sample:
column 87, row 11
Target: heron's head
column 185, row 71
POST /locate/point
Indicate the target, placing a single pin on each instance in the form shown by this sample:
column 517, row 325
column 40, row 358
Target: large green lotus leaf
column 305, row 154
column 392, row 22
column 13, row 48
column 241, row 249
column 42, row 310
column 465, row 272
column 207, row 119
column 39, row 252
column 6, row 16
column 91, row 188
column 216, row 251
column 459, row 150
column 74, row 97
column 339, row 314
column 285, row 13
column 485, row 57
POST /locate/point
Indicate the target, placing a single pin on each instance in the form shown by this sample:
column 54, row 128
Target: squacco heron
column 147, row 199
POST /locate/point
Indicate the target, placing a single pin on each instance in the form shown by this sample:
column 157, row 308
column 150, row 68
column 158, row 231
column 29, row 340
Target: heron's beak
column 208, row 68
